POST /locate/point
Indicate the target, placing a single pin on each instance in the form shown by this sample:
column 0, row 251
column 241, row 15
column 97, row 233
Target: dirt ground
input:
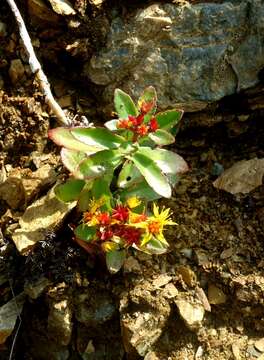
column 214, row 266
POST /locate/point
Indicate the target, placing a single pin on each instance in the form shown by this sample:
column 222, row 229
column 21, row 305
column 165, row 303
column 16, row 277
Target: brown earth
column 215, row 263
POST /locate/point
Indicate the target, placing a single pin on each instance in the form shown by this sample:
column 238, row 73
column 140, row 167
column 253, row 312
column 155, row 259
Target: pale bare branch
column 36, row 67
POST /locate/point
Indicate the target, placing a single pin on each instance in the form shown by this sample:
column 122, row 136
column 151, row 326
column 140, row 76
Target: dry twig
column 36, row 67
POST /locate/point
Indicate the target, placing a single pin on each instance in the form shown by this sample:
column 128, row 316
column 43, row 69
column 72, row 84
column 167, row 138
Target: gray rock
column 192, row 314
column 9, row 313
column 34, row 290
column 16, row 70
column 60, row 322
column 193, row 54
column 94, row 309
column 142, row 325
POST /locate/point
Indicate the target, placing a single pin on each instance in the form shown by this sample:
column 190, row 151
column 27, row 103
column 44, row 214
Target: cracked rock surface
column 193, row 54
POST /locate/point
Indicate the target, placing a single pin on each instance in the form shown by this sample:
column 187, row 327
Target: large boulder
column 194, row 54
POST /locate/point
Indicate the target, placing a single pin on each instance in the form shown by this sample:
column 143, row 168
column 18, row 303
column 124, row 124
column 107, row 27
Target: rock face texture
column 194, row 54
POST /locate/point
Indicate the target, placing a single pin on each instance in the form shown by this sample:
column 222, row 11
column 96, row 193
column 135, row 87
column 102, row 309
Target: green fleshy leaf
column 71, row 158
column 124, row 105
column 152, row 174
column 107, row 158
column 89, row 170
column 129, row 175
column 148, row 99
column 155, row 247
column 111, row 125
column 63, row 137
column 162, row 137
column 101, row 189
column 85, row 232
column 99, row 137
column 115, row 260
column 168, row 161
column 141, row 190
column 70, row 190
column 84, row 197
column 169, row 119
column 103, row 162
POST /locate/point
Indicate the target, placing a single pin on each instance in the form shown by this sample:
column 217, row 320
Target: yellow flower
column 109, row 246
column 155, row 224
column 95, row 204
column 90, row 217
column 133, row 202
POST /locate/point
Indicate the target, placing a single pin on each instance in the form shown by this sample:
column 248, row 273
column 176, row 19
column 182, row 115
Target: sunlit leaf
column 71, row 158
column 162, row 137
column 100, row 190
column 152, row 174
column 63, row 137
column 155, row 247
column 84, row 197
column 124, row 105
column 142, row 190
column 168, row 161
column 85, row 232
column 148, row 100
column 99, row 137
column 107, row 158
column 169, row 119
column 111, row 125
column 89, row 170
column 70, row 190
column 115, row 260
column 128, row 175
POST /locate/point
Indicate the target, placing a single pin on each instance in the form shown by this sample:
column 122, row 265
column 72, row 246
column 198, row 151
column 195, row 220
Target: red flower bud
column 120, row 213
column 142, row 130
column 146, row 107
column 153, row 124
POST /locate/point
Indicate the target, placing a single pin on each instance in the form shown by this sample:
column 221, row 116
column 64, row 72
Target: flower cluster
column 138, row 124
column 122, row 227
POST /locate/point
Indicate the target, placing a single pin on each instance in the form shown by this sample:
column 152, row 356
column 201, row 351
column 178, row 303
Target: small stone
column 203, row 298
column 161, row 280
column 187, row 253
column 62, row 7
column 65, row 101
column 8, row 316
column 236, row 350
column 259, row 345
column 217, row 169
column 12, row 192
column 192, row 314
column 170, row 291
column 90, row 347
column 202, row 258
column 151, row 356
column 94, row 310
column 199, row 353
column 243, row 117
column 131, row 265
column 46, row 213
column 227, row 253
column 253, row 352
column 41, row 13
column 60, row 321
column 16, row 71
column 187, row 274
column 215, row 295
column 36, row 289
